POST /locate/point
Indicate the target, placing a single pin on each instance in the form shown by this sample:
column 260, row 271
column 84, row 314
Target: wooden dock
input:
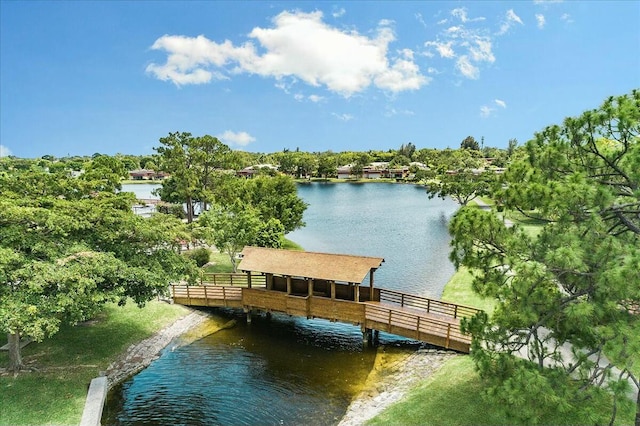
column 429, row 320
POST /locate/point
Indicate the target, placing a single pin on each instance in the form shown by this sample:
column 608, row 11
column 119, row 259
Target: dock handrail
column 232, row 280
column 433, row 306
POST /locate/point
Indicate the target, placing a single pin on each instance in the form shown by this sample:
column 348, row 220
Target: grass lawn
column 458, row 290
column 453, row 396
column 69, row 360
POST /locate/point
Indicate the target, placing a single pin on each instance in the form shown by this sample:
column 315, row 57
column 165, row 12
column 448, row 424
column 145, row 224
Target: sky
column 85, row 77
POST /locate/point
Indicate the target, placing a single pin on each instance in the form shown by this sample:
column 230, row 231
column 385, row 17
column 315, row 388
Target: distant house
column 344, row 171
column 251, row 171
column 146, row 174
column 371, row 173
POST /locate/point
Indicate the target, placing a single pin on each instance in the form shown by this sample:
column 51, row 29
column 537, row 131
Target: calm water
column 394, row 221
column 291, row 371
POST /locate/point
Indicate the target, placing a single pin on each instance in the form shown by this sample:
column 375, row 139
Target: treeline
column 295, row 162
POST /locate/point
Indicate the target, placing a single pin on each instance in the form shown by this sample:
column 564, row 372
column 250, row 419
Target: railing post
column 446, row 345
column 455, row 312
column 188, row 295
column 402, row 300
column 428, row 305
column 206, row 298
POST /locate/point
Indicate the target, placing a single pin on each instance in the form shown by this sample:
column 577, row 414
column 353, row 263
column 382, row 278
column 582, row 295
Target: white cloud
column 445, row 50
column 466, row 68
column 5, row 151
column 420, row 19
column 546, row 1
column 480, row 50
column 461, row 13
column 392, row 111
column 471, row 45
column 338, row 13
column 316, row 98
column 500, row 103
column 540, row 20
column 298, row 45
column 566, row 18
column 236, row 138
column 510, row 19
column 485, row 111
column 343, row 117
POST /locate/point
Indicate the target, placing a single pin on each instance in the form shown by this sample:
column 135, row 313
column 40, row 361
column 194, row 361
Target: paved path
column 484, row 206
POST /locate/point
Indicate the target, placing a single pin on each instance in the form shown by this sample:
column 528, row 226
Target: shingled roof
column 323, row 266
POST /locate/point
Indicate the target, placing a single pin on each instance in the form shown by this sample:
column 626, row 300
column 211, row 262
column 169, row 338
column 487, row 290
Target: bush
column 200, row 255
column 173, row 209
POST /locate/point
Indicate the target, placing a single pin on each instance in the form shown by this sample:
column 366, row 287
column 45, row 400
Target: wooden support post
column 356, row 291
column 371, row 284
column 310, row 287
column 269, row 281
column 333, row 290
column 367, row 336
column 288, row 285
column 248, row 316
column 249, row 279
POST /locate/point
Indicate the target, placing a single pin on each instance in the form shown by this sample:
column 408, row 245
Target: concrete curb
column 92, row 413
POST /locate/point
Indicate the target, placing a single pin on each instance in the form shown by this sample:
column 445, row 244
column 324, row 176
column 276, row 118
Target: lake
column 286, row 370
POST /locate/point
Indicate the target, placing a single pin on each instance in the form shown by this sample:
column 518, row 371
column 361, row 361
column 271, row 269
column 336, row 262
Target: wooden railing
column 415, row 317
column 206, row 295
column 232, row 280
column 421, row 327
column 433, row 306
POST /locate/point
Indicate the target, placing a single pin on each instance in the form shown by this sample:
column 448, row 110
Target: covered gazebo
column 301, row 273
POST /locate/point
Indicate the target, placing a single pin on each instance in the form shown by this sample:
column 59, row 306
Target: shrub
column 200, row 255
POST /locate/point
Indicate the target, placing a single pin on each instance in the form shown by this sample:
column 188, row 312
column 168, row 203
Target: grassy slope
column 68, row 361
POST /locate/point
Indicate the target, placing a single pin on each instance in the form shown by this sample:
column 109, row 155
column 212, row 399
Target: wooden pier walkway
column 429, row 320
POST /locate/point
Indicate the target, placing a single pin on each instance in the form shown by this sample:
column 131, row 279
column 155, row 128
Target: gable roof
column 323, row 266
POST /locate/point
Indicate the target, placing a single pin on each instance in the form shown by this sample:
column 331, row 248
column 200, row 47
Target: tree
column 568, row 297
column 276, row 197
column 463, row 186
column 231, row 227
column 191, row 162
column 65, row 250
column 327, row 164
column 407, row 150
column 470, row 143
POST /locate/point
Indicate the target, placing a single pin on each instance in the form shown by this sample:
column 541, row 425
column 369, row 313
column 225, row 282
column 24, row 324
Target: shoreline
column 139, row 355
column 391, row 378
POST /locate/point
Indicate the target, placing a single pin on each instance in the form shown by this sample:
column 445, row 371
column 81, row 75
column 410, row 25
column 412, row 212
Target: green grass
column 459, row 290
column 453, row 395
column 69, row 360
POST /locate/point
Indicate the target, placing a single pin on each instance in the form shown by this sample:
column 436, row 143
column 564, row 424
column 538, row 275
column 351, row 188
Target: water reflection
column 278, row 370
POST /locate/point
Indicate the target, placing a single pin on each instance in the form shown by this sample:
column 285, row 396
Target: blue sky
column 78, row 78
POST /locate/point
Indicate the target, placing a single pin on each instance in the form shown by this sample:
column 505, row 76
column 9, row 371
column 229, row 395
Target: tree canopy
column 191, row 161
column 567, row 318
column 66, row 249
